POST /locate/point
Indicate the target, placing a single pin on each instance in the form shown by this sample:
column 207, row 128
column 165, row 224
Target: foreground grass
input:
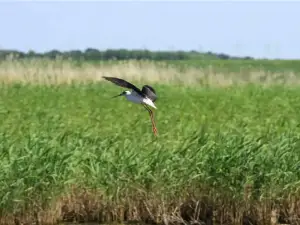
column 70, row 151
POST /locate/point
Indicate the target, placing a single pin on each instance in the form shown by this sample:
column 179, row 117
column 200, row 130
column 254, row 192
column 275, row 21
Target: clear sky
column 253, row 28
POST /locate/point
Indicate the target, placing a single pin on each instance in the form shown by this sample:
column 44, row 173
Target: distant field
column 188, row 73
column 274, row 66
column 70, row 151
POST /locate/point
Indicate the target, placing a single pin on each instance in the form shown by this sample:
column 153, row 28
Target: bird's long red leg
column 154, row 129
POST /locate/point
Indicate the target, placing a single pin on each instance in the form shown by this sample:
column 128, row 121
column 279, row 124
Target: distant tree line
column 115, row 54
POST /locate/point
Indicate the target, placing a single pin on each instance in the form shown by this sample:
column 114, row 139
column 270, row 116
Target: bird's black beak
column 118, row 95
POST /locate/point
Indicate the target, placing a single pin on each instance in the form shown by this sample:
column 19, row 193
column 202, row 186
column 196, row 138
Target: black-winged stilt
column 146, row 96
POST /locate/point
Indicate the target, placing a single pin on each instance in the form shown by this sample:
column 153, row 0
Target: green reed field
column 228, row 147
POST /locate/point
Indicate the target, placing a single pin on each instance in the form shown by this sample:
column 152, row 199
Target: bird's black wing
column 149, row 92
column 122, row 83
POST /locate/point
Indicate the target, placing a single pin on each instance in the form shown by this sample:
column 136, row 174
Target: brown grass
column 58, row 72
column 87, row 206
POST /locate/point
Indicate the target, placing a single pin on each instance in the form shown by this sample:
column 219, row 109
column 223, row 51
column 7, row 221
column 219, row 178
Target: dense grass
column 69, row 150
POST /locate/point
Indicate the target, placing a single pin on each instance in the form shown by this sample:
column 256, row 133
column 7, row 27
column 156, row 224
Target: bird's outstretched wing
column 122, row 83
column 149, row 92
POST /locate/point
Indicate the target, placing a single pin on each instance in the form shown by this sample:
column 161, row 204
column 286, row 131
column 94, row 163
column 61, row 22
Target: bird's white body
column 136, row 98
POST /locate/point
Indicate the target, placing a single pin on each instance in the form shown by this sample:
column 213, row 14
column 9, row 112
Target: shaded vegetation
column 181, row 59
column 92, row 54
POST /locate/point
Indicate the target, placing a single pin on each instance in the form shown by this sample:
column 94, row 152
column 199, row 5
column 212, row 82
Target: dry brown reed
column 87, row 206
column 43, row 71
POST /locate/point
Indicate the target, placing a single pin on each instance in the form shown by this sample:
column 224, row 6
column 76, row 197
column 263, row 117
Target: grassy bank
column 70, row 151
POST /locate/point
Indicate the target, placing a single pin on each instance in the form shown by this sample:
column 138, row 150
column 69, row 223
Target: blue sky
column 253, row 28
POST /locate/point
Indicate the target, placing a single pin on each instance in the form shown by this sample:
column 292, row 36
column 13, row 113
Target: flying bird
column 146, row 96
